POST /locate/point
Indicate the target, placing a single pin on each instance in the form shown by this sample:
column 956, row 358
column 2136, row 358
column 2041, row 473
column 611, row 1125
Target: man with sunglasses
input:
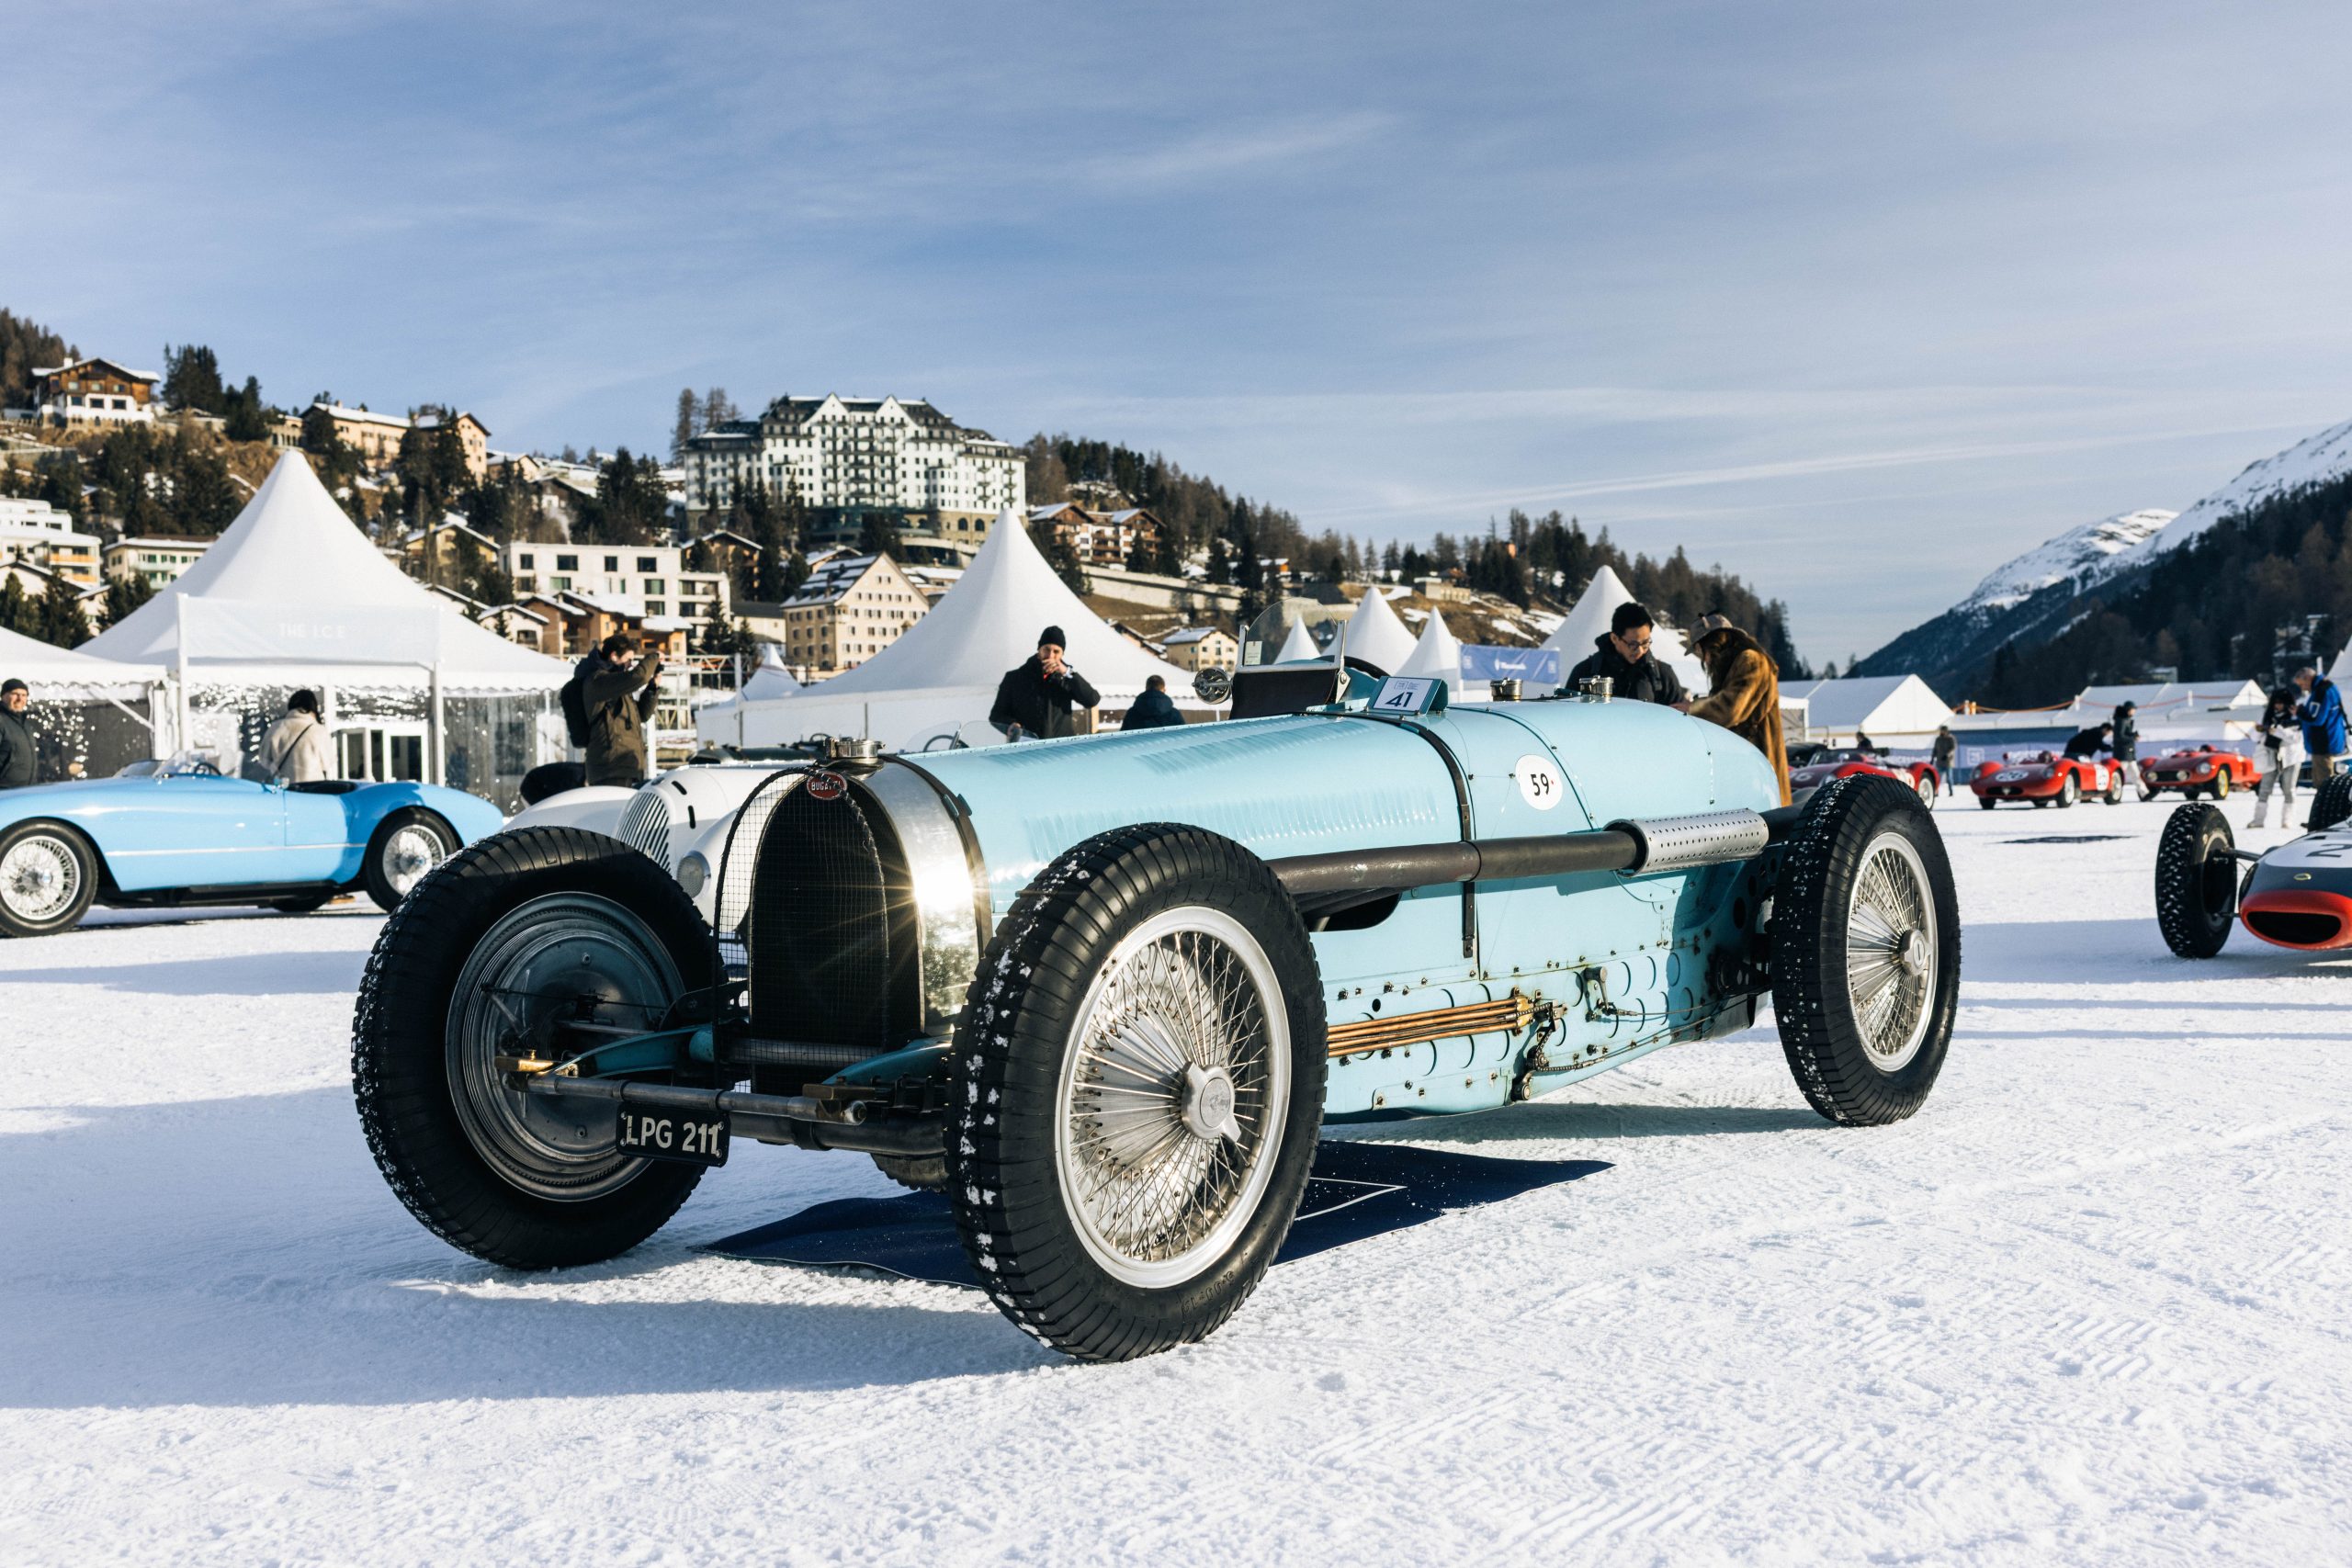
column 1623, row 658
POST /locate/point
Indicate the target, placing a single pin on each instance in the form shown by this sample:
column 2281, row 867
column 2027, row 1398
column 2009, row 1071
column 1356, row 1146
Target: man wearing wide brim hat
column 1744, row 694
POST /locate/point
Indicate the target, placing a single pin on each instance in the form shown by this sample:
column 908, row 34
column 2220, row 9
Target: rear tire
column 2197, row 881
column 404, row 849
column 918, row 1173
column 49, row 874
column 1138, row 1085
column 2332, row 801
column 474, row 1160
column 1865, row 953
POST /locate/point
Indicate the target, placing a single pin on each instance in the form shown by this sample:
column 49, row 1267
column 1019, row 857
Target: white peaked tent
column 1588, row 623
column 1374, row 634
column 1882, row 706
column 90, row 713
column 771, row 679
column 1438, row 653
column 1298, row 646
column 292, row 594
column 61, row 672
column 942, row 672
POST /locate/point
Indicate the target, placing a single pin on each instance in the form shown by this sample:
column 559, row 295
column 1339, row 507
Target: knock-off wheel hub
column 1916, row 951
column 1209, row 1103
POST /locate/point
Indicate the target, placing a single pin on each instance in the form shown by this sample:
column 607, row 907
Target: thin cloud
column 1224, row 152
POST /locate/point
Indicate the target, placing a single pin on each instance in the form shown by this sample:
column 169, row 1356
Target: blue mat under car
column 1358, row 1190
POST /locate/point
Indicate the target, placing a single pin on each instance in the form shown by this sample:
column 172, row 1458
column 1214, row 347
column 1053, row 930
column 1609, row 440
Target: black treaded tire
column 2331, row 803
column 89, row 869
column 400, row 1049
column 1820, row 1033
column 306, row 904
column 2197, row 881
column 919, row 1173
column 1019, row 1014
column 1986, row 801
column 372, row 873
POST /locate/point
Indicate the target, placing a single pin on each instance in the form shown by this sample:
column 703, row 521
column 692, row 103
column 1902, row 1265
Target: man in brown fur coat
column 1745, row 695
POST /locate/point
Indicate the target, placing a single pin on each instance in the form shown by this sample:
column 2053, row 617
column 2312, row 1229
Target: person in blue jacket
column 2322, row 711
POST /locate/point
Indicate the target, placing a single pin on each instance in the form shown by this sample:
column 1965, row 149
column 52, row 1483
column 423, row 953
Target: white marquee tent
column 1588, row 622
column 942, row 672
column 1298, row 645
column 1438, row 653
column 1372, row 633
column 292, row 594
column 1882, row 706
column 90, row 713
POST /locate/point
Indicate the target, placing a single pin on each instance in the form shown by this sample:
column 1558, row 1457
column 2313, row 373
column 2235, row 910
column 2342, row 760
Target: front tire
column 2197, row 881
column 1866, row 954
column 2069, row 791
column 1985, row 801
column 1138, row 1086
column 49, row 874
column 1926, row 786
column 405, row 846
column 2221, row 785
column 2332, row 801
column 479, row 960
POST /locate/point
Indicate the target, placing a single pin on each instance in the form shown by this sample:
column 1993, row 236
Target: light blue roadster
column 178, row 832
column 1105, row 992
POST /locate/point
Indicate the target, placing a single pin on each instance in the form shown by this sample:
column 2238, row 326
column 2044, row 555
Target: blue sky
column 1858, row 300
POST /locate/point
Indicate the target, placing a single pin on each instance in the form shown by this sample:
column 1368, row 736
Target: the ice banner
column 252, row 631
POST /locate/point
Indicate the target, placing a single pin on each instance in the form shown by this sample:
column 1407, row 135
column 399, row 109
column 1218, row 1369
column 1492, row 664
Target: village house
column 1200, row 648
column 155, row 562
column 376, row 437
column 94, row 391
column 653, row 579
column 38, row 533
column 851, row 608
column 1100, row 538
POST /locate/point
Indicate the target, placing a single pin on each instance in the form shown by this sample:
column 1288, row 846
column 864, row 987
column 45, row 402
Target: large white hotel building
column 852, row 454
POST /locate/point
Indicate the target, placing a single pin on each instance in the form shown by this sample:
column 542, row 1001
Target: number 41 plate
column 673, row 1135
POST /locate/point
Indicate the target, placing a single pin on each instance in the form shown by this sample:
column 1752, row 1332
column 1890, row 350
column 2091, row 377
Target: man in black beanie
column 1035, row 699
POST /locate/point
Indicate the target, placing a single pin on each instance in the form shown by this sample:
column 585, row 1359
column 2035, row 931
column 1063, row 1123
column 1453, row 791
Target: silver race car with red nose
column 2297, row 895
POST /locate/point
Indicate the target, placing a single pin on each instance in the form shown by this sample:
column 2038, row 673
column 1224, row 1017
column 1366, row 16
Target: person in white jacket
column 297, row 750
column 2280, row 753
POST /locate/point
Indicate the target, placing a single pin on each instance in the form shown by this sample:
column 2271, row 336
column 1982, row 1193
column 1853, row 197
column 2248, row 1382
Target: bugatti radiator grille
column 830, row 930
column 645, row 826
column 736, row 865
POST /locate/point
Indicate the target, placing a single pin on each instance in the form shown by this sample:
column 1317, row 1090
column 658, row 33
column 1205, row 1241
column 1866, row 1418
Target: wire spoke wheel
column 41, row 877
column 1172, row 1096
column 1890, row 951
column 566, row 957
column 410, row 853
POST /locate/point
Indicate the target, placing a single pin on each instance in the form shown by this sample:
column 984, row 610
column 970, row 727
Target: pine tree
column 125, row 594
column 57, row 616
column 192, row 379
column 17, row 613
column 687, row 427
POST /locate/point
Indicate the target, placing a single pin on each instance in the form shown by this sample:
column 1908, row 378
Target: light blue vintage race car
column 178, row 832
column 1106, row 991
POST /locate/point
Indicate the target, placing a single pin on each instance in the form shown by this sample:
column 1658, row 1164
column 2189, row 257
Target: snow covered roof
column 294, row 582
column 1897, row 704
column 988, row 622
column 832, row 579
column 126, row 373
column 51, row 670
column 1184, row 636
column 1374, row 635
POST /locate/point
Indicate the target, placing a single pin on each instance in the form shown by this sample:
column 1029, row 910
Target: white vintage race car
column 678, row 820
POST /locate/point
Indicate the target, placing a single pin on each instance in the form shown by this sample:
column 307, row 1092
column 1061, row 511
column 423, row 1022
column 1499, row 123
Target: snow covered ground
column 2087, row 1307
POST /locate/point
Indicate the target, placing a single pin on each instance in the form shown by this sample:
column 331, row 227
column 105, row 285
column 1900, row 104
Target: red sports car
column 2046, row 778
column 2205, row 771
column 1823, row 766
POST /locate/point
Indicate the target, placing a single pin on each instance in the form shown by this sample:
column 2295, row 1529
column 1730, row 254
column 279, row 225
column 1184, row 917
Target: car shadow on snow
column 1588, row 1120
column 244, row 1251
column 241, row 974
column 2120, row 950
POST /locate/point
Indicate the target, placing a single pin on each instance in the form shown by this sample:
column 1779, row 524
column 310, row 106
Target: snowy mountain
column 2042, row 592
column 2029, row 598
column 2083, row 556
column 2325, row 456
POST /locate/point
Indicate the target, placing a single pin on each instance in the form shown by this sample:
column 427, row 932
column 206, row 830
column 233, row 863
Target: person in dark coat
column 16, row 769
column 1622, row 655
column 2125, row 740
column 617, row 688
column 2089, row 743
column 1035, row 699
column 1944, row 753
column 1153, row 710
